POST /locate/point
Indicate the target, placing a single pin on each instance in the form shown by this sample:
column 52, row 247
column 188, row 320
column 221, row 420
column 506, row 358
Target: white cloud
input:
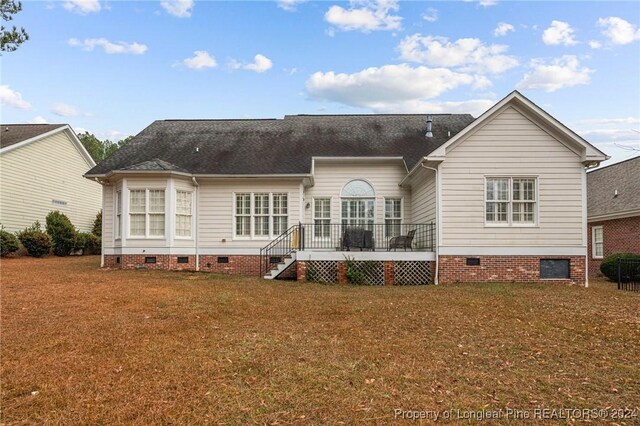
column 82, row 6
column 365, row 16
column 38, row 120
column 608, row 135
column 260, row 64
column 430, row 15
column 289, row 5
column 503, row 29
column 390, row 87
column 619, row 31
column 487, row 3
column 200, row 60
column 559, row 33
column 468, row 54
column 595, row 44
column 120, row 47
column 560, row 73
column 611, row 121
column 66, row 110
column 178, row 8
column 12, row 98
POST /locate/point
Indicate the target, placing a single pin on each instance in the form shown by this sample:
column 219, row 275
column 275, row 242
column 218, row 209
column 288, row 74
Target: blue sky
column 112, row 67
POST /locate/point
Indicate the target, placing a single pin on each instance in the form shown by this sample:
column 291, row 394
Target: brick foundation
column 454, row 269
column 301, row 271
column 241, row 265
column 619, row 236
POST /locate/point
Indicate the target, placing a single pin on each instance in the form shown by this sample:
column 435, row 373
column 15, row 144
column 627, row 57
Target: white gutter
column 195, row 183
column 435, row 278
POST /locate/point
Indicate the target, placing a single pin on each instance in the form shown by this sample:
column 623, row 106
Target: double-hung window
column 261, row 214
column 118, row 214
column 392, row 216
column 597, row 242
column 510, row 201
column 146, row 212
column 183, row 213
column 321, row 217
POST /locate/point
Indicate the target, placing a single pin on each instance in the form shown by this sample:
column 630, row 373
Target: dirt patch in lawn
column 84, row 345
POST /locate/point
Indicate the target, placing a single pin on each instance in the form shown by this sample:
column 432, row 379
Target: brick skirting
column 240, row 265
column 526, row 269
column 618, row 236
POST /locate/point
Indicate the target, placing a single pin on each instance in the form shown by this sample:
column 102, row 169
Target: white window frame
column 252, row 215
column 594, row 254
column 401, row 218
column 369, row 221
column 146, row 213
column 314, row 218
column 275, row 215
column 118, row 221
column 191, row 215
column 510, row 222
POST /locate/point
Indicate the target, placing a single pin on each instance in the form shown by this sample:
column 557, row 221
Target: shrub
column 35, row 240
column 609, row 265
column 62, row 233
column 8, row 243
column 97, row 225
column 88, row 243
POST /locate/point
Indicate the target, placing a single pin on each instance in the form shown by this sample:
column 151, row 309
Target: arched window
column 357, row 188
column 358, row 200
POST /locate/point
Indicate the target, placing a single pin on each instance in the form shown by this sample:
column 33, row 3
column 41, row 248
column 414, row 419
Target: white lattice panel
column 412, row 273
column 372, row 272
column 322, row 271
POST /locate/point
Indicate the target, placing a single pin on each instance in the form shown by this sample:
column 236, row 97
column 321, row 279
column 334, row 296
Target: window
column 183, row 213
column 322, row 217
column 146, row 212
column 510, row 201
column 358, row 204
column 118, row 214
column 392, row 216
column 280, row 213
column 597, row 242
column 261, row 214
column 243, row 215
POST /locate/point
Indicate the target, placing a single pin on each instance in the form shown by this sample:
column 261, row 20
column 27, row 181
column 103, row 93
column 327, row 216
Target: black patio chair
column 402, row 241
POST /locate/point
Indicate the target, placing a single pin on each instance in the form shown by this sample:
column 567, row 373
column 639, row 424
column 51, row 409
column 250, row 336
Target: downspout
column 195, row 183
column 435, row 278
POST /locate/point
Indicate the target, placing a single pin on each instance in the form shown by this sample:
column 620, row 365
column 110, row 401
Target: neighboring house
column 613, row 211
column 498, row 198
column 41, row 169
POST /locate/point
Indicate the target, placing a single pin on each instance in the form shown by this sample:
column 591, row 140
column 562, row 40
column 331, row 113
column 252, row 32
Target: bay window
column 183, row 213
column 118, row 214
column 146, row 213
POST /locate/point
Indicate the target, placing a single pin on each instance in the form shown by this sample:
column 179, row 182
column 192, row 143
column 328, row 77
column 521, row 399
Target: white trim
column 170, row 219
column 302, row 208
column 125, row 215
column 68, row 130
column 610, row 216
column 512, row 251
column 150, row 251
column 510, row 223
column 313, row 217
column 175, row 214
column 593, row 242
column 591, row 153
column 366, row 255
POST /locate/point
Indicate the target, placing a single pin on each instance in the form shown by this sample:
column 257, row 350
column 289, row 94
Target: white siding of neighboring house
column 331, row 175
column 34, row 175
column 511, row 144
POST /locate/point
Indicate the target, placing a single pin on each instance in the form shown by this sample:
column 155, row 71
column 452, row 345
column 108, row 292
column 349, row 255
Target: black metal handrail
column 368, row 236
column 629, row 274
column 287, row 242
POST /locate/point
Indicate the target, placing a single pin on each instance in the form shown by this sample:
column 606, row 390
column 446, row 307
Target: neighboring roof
column 590, row 154
column 11, row 134
column 602, row 184
column 16, row 136
column 278, row 146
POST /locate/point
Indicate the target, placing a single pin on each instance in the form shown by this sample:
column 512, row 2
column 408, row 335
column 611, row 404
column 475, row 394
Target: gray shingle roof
column 602, row 184
column 279, row 146
column 11, row 134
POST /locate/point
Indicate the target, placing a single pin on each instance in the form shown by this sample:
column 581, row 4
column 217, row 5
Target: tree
column 99, row 150
column 11, row 38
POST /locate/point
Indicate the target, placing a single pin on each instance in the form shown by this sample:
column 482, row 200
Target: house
column 613, row 211
column 497, row 198
column 41, row 169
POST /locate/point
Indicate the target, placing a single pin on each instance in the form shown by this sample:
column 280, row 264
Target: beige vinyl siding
column 511, row 145
column 216, row 208
column 330, row 176
column 108, row 216
column 49, row 169
column 423, row 196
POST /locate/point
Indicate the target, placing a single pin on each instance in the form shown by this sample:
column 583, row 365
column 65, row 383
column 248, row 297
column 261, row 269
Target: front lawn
column 82, row 345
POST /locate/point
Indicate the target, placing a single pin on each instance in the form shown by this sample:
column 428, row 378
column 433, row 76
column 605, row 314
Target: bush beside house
column 8, row 243
column 609, row 265
column 35, row 240
column 62, row 232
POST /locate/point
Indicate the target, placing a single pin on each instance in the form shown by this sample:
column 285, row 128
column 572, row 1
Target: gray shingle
column 281, row 146
column 11, row 134
column 602, row 184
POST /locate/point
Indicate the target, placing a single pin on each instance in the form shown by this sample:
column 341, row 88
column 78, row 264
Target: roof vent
column 429, row 133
